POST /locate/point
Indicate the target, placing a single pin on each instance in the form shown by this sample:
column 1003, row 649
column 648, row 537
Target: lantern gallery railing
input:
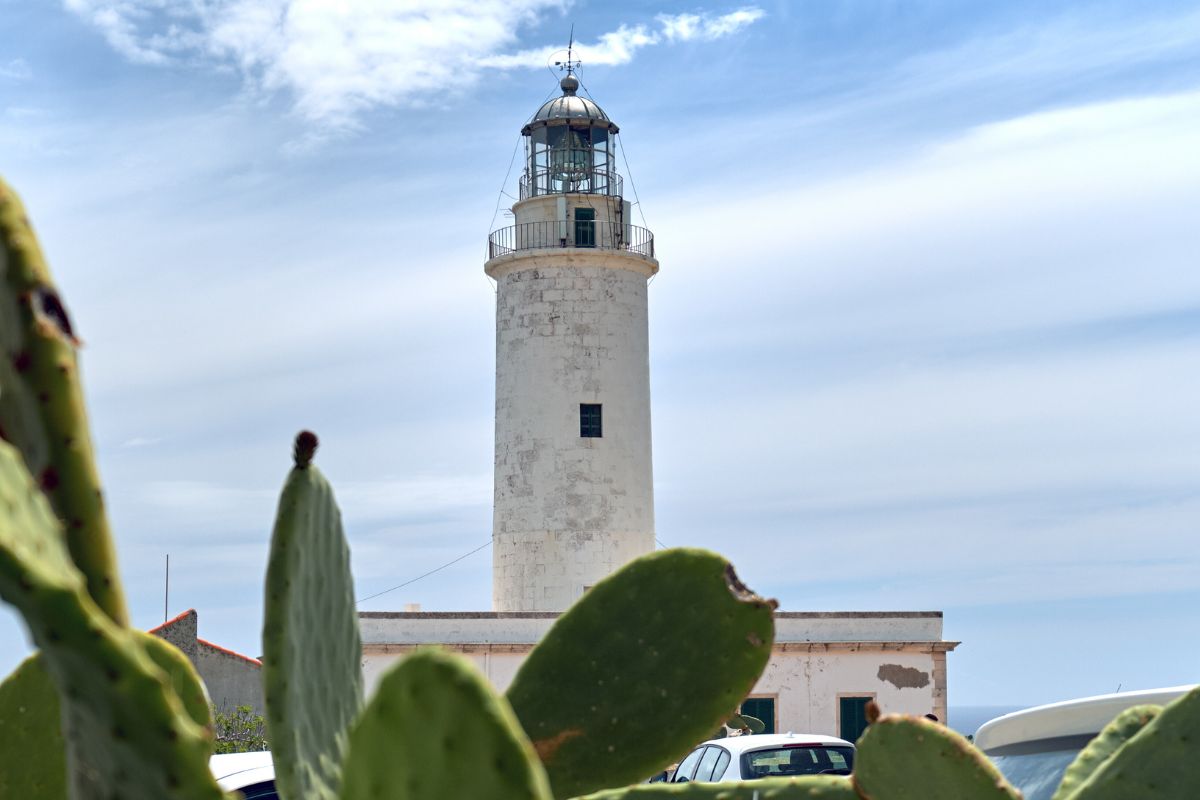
column 574, row 233
column 545, row 181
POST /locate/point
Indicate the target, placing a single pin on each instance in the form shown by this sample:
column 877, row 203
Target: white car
column 1034, row 747
column 765, row 755
column 252, row 774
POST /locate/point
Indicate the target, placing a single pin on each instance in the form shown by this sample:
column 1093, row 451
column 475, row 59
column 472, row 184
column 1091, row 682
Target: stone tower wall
column 571, row 328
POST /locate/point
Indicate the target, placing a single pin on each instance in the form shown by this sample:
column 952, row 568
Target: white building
column 573, row 478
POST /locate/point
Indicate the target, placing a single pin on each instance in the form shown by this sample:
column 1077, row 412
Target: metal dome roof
column 569, row 107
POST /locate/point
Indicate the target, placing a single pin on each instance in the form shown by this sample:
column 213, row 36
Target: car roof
column 1087, row 715
column 238, row 770
column 758, row 741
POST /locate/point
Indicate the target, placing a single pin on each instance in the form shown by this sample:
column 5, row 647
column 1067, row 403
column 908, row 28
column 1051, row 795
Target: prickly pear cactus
column 912, row 758
column 128, row 735
column 809, row 787
column 1109, row 741
column 181, row 674
column 33, row 764
column 41, row 403
column 671, row 636
column 436, row 729
column 312, row 673
column 1160, row 760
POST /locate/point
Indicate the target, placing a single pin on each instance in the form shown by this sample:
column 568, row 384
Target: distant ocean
column 967, row 719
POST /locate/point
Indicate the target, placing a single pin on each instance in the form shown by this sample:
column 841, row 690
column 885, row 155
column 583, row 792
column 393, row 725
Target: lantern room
column 570, row 147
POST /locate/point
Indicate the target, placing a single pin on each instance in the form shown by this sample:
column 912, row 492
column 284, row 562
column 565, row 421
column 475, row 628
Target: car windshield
column 1036, row 768
column 798, row 759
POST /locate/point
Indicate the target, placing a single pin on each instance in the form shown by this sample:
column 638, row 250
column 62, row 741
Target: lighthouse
column 574, row 497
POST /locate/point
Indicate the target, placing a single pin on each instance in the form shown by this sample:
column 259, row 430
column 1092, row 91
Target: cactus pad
column 436, row 729
column 185, row 681
column 910, row 758
column 312, row 669
column 1112, row 738
column 41, row 403
column 33, row 763
column 672, row 636
column 1157, row 761
column 809, row 787
column 127, row 733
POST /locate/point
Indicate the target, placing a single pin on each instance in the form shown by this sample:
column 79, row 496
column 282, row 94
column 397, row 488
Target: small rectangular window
column 762, row 708
column 589, row 421
column 852, row 714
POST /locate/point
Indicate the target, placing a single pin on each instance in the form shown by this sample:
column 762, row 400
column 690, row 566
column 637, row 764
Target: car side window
column 722, row 764
column 686, row 767
column 708, row 761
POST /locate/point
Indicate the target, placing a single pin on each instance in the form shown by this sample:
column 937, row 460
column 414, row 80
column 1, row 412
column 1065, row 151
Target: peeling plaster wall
column 817, row 656
column 571, row 328
column 807, row 686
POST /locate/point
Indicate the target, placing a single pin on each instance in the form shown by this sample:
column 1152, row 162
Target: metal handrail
column 544, row 181
column 550, row 234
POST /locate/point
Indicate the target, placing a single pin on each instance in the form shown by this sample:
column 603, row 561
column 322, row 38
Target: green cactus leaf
column 1100, row 749
column 185, row 681
column 312, row 669
column 912, row 758
column 33, row 763
column 672, row 636
column 436, row 729
column 41, row 403
column 1158, row 761
column 808, row 787
column 127, row 733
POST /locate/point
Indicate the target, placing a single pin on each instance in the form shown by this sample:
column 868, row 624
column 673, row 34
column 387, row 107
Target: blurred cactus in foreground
column 646, row 664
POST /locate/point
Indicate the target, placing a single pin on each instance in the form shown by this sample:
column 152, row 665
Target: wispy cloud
column 340, row 59
column 706, row 27
column 620, row 46
column 17, row 69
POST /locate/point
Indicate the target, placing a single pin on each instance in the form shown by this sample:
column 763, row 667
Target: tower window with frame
column 585, row 227
column 590, row 421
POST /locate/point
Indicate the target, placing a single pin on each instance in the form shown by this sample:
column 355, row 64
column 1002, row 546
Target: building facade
column 824, row 668
column 232, row 679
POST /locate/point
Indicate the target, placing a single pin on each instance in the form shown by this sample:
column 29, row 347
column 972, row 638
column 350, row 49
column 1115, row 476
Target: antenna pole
column 167, row 588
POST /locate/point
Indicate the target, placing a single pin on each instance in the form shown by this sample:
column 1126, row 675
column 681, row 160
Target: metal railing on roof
column 553, row 234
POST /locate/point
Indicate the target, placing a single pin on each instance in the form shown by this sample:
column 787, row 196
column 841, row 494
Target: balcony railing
column 544, row 181
column 554, row 234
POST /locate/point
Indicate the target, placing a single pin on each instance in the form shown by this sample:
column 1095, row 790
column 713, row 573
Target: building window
column 852, row 715
column 589, row 421
column 761, row 708
column 585, row 227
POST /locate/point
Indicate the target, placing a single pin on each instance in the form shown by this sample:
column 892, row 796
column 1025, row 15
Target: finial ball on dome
column 569, row 84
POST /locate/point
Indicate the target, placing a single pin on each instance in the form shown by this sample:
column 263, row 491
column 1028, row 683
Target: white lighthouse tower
column 574, row 496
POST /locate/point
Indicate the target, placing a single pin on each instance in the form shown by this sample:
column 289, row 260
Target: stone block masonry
column 571, row 328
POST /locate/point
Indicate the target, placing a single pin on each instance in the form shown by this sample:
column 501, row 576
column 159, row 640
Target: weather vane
column 570, row 65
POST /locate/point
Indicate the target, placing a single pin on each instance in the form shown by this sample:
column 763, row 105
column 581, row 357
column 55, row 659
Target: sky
column 926, row 334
